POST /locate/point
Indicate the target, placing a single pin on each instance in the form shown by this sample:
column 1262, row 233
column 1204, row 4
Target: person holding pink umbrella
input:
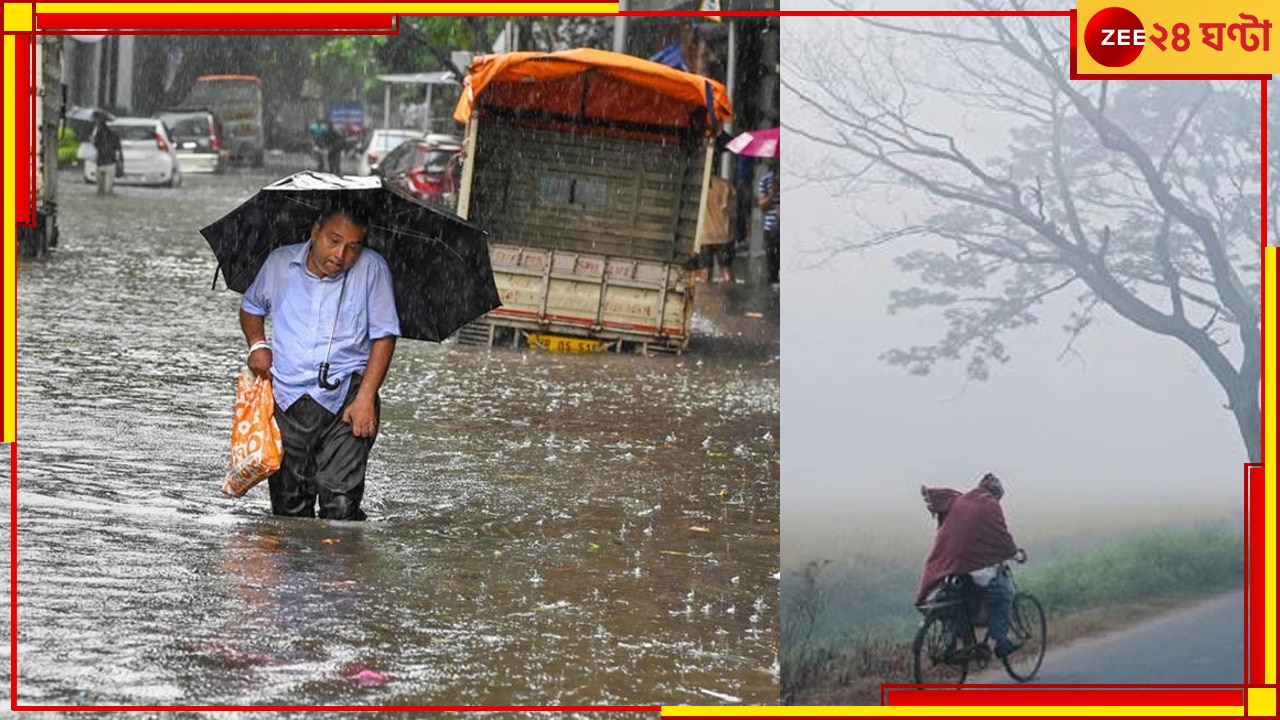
column 764, row 144
column 767, row 198
column 756, row 143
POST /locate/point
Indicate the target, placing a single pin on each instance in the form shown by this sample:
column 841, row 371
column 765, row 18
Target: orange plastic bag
column 256, row 449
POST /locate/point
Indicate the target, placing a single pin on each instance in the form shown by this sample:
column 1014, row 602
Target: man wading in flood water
column 325, row 388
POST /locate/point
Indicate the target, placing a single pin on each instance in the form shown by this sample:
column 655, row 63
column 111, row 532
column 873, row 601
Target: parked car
column 197, row 136
column 149, row 155
column 381, row 142
column 425, row 169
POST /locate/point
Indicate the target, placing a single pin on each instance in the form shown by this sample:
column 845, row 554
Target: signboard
column 1161, row 39
column 346, row 111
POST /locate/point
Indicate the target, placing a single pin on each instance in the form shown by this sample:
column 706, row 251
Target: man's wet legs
column 322, row 458
column 293, row 486
column 106, row 175
column 341, row 465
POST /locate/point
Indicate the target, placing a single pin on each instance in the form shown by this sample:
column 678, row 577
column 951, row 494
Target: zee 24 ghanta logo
column 1115, row 37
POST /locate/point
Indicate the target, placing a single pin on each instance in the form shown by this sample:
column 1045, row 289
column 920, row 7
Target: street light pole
column 426, row 122
column 731, row 86
column 620, row 29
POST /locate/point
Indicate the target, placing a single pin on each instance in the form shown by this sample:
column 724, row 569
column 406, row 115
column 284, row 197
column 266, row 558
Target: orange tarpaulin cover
column 591, row 84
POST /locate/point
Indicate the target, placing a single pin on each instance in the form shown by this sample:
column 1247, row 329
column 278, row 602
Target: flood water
column 544, row 529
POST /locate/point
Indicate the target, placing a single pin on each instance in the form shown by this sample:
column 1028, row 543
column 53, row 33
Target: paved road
column 1200, row 644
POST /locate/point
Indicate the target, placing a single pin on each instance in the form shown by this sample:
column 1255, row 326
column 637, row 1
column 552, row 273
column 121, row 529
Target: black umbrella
column 439, row 262
column 82, row 119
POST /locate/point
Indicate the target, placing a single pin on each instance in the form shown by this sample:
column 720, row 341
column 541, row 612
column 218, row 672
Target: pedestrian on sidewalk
column 317, row 130
column 334, row 144
column 715, row 241
column 110, row 155
column 767, row 199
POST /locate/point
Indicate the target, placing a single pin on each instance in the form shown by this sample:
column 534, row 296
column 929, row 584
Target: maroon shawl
column 972, row 534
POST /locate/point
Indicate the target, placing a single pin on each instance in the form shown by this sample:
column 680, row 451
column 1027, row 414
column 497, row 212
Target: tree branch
column 1170, row 272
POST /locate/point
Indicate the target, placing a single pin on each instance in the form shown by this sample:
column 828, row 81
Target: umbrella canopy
column 81, row 120
column 755, row 143
column 439, row 262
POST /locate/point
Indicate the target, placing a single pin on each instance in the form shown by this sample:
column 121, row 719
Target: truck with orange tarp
column 589, row 170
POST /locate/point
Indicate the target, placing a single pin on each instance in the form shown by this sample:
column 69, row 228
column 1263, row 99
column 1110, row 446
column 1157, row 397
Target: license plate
column 558, row 343
column 188, row 146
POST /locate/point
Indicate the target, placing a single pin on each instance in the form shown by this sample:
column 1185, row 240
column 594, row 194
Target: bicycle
column 947, row 645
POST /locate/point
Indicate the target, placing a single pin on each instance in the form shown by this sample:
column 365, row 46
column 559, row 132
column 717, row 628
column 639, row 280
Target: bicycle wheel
column 1027, row 627
column 937, row 653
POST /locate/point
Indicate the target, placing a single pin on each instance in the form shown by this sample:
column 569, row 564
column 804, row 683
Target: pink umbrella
column 755, row 143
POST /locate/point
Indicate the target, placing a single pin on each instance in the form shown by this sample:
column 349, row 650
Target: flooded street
column 544, row 529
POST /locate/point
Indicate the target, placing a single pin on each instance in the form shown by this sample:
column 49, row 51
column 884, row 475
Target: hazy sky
column 1131, row 415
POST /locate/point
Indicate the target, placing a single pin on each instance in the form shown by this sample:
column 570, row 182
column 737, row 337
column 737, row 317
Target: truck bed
column 611, row 299
column 587, row 193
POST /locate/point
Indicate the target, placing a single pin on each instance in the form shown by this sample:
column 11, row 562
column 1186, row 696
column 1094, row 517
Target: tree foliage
column 348, row 65
column 1140, row 197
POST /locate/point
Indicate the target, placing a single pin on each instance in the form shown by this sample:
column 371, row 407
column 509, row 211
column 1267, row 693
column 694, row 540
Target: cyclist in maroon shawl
column 972, row 536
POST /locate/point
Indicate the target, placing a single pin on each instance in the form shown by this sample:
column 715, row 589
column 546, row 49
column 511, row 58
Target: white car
column 149, row 155
column 381, row 142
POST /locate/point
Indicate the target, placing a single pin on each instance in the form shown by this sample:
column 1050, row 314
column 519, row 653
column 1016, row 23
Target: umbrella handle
column 324, row 378
column 324, row 366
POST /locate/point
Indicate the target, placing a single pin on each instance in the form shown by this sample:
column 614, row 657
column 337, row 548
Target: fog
column 1127, row 426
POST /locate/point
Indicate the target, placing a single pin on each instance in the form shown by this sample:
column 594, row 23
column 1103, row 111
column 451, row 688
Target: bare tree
column 1140, row 197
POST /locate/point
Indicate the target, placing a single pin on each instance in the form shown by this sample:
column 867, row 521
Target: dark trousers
column 998, row 597
column 773, row 252
column 322, row 458
column 721, row 254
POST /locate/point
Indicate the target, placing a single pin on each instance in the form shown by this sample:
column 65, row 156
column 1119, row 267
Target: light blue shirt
column 302, row 307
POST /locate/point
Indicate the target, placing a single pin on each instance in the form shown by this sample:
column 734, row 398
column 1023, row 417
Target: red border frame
column 1254, row 552
column 25, row 134
column 310, row 23
column 1255, row 568
column 258, row 27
